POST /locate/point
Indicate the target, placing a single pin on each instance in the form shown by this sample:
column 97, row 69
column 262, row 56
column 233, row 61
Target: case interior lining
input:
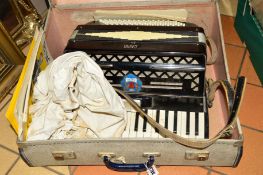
column 61, row 24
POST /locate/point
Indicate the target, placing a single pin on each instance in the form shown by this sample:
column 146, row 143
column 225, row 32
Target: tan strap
column 196, row 143
column 213, row 50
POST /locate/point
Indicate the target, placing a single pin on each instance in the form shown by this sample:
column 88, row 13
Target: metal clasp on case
column 63, row 155
column 108, row 154
column 197, row 155
column 154, row 154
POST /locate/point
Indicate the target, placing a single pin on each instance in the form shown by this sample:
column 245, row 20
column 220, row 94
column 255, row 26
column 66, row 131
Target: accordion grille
column 147, row 59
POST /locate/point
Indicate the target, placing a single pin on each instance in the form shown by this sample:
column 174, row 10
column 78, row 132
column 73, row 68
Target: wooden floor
column 250, row 115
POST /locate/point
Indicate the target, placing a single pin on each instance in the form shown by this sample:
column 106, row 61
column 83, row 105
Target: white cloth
column 73, row 99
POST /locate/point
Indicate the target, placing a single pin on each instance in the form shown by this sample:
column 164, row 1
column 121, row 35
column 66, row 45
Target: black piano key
column 145, row 122
column 157, row 119
column 166, row 119
column 196, row 123
column 206, row 125
column 136, row 121
column 175, row 121
column 187, row 123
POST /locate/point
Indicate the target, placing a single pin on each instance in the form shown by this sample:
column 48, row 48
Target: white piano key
column 149, row 127
column 127, row 129
column 154, row 134
column 192, row 125
column 171, row 120
column 162, row 118
column 179, row 122
column 183, row 125
column 138, row 102
column 201, row 126
column 140, row 127
column 128, row 107
column 132, row 125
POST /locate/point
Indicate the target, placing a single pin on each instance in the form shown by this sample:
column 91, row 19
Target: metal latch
column 148, row 154
column 63, row 155
column 197, row 155
column 108, row 154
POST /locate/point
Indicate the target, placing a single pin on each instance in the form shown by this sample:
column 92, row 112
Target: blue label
column 131, row 83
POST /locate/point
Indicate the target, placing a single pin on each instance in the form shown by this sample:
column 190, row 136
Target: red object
column 131, row 85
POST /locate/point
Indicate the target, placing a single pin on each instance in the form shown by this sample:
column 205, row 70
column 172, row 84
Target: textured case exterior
column 40, row 153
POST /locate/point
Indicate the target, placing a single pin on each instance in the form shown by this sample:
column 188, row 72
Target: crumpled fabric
column 73, row 99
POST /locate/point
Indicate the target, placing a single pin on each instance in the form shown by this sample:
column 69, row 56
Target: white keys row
column 187, row 125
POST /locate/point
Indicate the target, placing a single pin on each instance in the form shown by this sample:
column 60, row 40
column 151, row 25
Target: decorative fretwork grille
column 147, row 59
column 175, row 81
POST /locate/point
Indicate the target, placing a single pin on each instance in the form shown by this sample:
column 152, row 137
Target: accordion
column 160, row 64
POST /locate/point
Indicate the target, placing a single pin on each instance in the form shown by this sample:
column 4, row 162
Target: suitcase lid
column 113, row 3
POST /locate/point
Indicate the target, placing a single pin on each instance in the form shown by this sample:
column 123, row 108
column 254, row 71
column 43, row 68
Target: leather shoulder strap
column 197, row 143
column 212, row 87
column 213, row 50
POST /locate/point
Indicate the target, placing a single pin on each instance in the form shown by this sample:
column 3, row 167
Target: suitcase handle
column 128, row 167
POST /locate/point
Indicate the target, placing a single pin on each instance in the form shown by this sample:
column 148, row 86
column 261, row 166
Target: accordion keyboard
column 186, row 124
column 192, row 125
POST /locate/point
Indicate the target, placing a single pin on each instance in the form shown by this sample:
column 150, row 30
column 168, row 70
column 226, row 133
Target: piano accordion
column 168, row 58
